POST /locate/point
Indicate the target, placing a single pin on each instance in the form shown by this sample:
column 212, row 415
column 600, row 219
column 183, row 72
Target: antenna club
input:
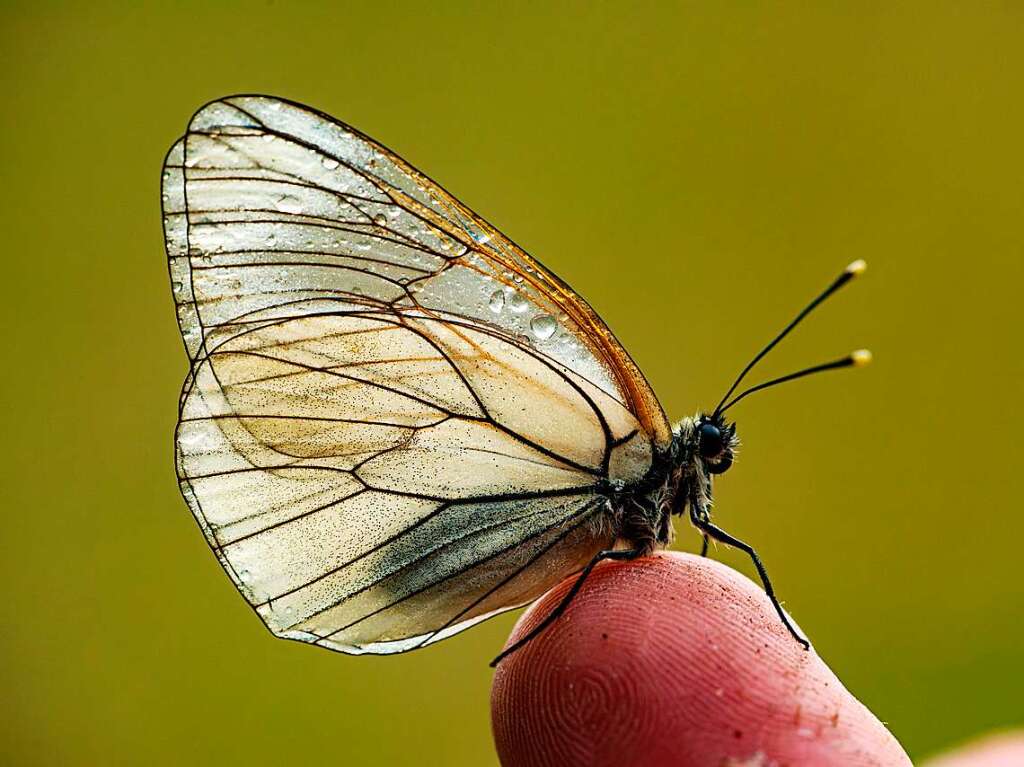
column 861, row 357
column 857, row 268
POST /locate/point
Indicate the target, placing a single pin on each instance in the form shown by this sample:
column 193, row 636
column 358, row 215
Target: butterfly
column 396, row 423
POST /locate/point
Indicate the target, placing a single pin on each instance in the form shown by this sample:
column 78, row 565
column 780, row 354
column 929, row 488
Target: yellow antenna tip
column 857, row 268
column 860, row 358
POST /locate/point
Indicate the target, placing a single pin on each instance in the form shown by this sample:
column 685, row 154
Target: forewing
column 378, row 457
column 271, row 183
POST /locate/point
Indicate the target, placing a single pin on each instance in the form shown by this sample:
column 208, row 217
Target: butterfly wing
column 395, row 423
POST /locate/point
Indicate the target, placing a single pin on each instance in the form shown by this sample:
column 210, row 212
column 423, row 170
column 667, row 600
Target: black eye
column 722, row 466
column 709, row 440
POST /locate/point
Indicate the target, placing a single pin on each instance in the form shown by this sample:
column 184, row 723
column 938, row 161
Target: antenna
column 857, row 359
column 853, row 270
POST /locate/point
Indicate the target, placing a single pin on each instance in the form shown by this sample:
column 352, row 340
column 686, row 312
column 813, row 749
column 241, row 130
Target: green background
column 696, row 172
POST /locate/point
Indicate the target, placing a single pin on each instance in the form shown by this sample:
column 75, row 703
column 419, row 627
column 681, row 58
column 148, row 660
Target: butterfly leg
column 702, row 510
column 612, row 554
column 702, row 523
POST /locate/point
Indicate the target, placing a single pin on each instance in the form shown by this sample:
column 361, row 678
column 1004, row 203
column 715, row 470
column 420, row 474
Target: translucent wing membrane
column 395, row 423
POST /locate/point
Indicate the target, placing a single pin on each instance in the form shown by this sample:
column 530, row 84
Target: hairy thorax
column 639, row 515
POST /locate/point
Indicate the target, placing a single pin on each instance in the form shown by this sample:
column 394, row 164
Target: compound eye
column 722, row 466
column 709, row 440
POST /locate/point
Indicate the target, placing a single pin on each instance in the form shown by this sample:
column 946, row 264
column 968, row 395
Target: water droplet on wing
column 518, row 304
column 496, row 301
column 288, row 204
column 543, row 326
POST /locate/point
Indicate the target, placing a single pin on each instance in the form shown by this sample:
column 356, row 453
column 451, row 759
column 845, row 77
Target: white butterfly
column 396, row 423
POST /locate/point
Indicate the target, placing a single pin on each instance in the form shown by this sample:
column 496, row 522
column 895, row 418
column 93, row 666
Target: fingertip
column 1004, row 749
column 674, row 659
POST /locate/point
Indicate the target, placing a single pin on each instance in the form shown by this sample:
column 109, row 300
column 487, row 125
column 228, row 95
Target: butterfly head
column 715, row 441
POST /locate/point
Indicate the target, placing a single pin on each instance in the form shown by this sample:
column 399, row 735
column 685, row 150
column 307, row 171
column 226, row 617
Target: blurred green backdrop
column 696, row 171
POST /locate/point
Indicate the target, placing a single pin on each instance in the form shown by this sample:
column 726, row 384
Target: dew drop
column 191, row 439
column 518, row 304
column 329, row 162
column 497, row 301
column 268, row 137
column 288, row 204
column 380, row 219
column 543, row 326
column 176, row 286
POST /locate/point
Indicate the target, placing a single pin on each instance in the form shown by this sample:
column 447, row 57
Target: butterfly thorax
column 679, row 478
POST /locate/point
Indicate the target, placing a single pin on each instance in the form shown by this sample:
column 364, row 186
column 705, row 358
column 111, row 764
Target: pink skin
column 675, row 660
column 1005, row 750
